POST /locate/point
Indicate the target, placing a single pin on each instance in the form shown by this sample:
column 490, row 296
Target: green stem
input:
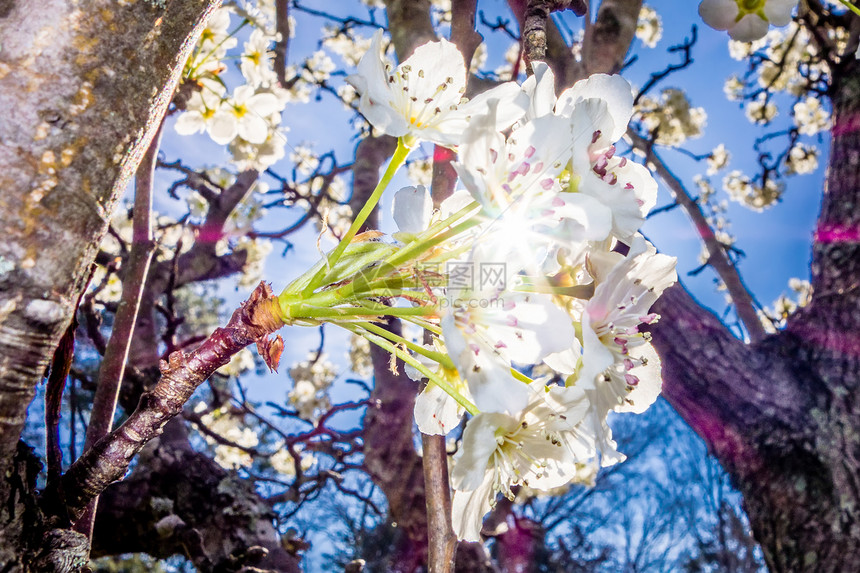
column 410, row 360
column 851, row 6
column 442, row 359
column 301, row 311
column 425, row 324
column 397, row 160
column 411, row 250
column 192, row 71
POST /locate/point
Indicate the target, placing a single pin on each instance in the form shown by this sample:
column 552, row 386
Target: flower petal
column 223, row 127
column 719, row 14
column 436, row 413
column 750, row 28
column 468, row 509
column 614, row 90
column 253, row 128
column 778, row 12
column 540, row 87
column 412, row 208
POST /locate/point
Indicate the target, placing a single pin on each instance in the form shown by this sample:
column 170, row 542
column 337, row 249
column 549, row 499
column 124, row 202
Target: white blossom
column 761, row 110
column 802, row 159
column 423, row 97
column 500, row 451
column 245, row 115
column 746, row 20
column 718, row 159
column 810, row 117
column 649, row 28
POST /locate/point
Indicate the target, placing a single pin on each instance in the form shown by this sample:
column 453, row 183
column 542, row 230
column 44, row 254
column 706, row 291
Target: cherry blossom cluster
column 531, row 281
column 247, row 118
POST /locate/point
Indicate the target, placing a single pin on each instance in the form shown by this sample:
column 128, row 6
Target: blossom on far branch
column 649, row 28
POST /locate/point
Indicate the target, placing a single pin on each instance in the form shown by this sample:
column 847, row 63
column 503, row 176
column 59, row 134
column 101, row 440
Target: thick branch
column 178, row 501
column 535, row 22
column 282, row 25
column 409, row 25
column 608, row 40
column 109, row 459
column 89, row 83
column 68, row 153
column 836, row 250
column 717, row 256
column 558, row 52
column 729, row 392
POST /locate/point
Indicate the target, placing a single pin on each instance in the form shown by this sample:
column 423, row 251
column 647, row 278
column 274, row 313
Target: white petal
column 540, row 87
column 586, row 218
column 189, row 123
column 243, row 93
column 458, row 200
column 468, row 509
column 264, row 104
column 489, row 378
column 436, row 413
column 510, row 102
column 592, row 123
column 778, row 12
column 650, row 382
column 595, row 356
column 513, row 103
column 565, row 361
column 479, row 443
column 371, row 83
column 223, row 127
column 614, row 90
column 533, row 329
column 412, row 208
column 441, row 63
column 253, row 128
column 719, row 14
column 750, row 28
column 377, row 108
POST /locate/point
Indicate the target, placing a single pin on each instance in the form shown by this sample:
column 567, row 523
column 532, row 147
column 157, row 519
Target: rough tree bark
column 786, row 423
column 89, row 82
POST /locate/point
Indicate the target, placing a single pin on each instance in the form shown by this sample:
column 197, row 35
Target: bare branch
column 282, row 26
column 442, row 543
column 134, row 279
column 607, row 41
column 717, row 256
column 108, row 460
column 535, row 23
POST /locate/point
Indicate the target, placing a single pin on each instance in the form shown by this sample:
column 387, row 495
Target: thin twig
column 441, row 542
column 116, row 353
column 686, row 49
column 717, row 256
column 282, row 25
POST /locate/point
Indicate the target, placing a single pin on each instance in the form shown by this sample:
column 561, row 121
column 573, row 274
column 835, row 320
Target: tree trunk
column 89, row 82
column 781, row 416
